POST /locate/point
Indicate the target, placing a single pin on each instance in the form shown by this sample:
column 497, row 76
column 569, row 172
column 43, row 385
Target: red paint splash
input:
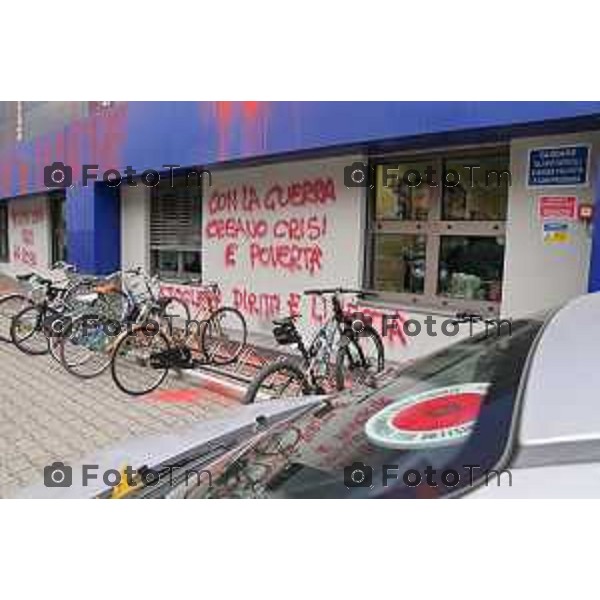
column 59, row 146
column 23, row 170
column 204, row 394
column 224, row 112
column 249, row 116
column 5, row 172
column 254, row 126
column 176, row 396
column 251, row 110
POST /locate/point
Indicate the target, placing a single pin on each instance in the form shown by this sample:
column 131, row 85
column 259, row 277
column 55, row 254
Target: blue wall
column 94, row 228
column 152, row 134
column 204, row 133
column 594, row 283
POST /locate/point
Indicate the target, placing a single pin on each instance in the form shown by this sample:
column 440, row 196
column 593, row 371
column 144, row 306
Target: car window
column 449, row 412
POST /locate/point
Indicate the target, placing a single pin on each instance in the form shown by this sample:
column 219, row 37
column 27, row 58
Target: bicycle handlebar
column 64, row 266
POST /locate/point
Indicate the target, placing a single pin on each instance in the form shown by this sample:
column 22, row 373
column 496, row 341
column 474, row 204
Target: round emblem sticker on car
column 440, row 417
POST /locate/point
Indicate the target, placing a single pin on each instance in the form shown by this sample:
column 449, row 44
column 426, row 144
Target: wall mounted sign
column 557, row 207
column 556, row 232
column 559, row 166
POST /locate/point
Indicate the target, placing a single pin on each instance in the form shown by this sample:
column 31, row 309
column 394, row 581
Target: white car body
column 556, row 450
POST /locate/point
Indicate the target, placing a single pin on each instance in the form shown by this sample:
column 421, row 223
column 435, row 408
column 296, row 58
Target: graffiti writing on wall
column 23, row 222
column 270, row 305
column 199, row 299
column 252, row 223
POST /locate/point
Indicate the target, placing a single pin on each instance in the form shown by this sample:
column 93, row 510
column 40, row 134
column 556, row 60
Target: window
column 400, row 262
column 470, row 267
column 480, row 192
column 58, row 224
column 485, row 372
column 4, row 250
column 176, row 229
column 437, row 229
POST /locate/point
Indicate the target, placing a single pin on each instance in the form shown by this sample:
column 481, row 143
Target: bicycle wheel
column 10, row 305
column 56, row 326
column 176, row 316
column 85, row 350
column 114, row 306
column 80, row 288
column 359, row 359
column 54, row 343
column 131, row 366
column 27, row 331
column 224, row 337
column 277, row 379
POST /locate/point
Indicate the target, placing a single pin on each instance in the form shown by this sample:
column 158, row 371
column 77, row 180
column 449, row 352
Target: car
column 508, row 413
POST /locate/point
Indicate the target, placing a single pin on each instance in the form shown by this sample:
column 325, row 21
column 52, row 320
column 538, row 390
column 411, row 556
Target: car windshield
column 438, row 426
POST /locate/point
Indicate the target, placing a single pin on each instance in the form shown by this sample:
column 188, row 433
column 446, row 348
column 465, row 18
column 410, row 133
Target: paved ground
column 47, row 415
column 6, row 284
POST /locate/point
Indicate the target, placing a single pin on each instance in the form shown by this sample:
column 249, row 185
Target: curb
column 218, row 385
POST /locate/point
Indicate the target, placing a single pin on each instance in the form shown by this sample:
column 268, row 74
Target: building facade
column 440, row 207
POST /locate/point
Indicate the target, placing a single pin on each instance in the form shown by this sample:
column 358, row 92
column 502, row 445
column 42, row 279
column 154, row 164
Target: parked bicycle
column 122, row 301
column 39, row 327
column 64, row 274
column 143, row 357
column 345, row 352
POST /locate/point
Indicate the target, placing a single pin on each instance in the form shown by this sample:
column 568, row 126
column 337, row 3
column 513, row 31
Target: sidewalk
column 47, row 415
column 7, row 284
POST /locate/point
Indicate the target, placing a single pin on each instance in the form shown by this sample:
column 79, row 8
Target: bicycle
column 39, row 327
column 142, row 358
column 343, row 337
column 87, row 346
column 14, row 302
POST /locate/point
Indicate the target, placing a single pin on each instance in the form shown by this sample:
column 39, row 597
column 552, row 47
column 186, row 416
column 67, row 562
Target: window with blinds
column 176, row 229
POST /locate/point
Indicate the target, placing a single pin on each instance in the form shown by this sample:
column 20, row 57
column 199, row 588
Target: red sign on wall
column 557, row 207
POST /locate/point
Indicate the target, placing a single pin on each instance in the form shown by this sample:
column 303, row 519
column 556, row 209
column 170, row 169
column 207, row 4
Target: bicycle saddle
column 25, row 277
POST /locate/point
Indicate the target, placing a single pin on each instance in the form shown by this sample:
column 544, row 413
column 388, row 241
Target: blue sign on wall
column 560, row 166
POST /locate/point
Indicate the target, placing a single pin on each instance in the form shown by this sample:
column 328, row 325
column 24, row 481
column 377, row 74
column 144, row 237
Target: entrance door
column 58, row 225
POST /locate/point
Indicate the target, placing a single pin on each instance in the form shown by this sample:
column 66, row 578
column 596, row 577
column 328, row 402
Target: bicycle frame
column 323, row 345
column 203, row 314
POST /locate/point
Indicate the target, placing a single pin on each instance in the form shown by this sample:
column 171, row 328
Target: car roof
column 562, row 389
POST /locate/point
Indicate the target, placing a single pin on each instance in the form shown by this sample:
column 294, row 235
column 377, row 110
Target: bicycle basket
column 286, row 334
